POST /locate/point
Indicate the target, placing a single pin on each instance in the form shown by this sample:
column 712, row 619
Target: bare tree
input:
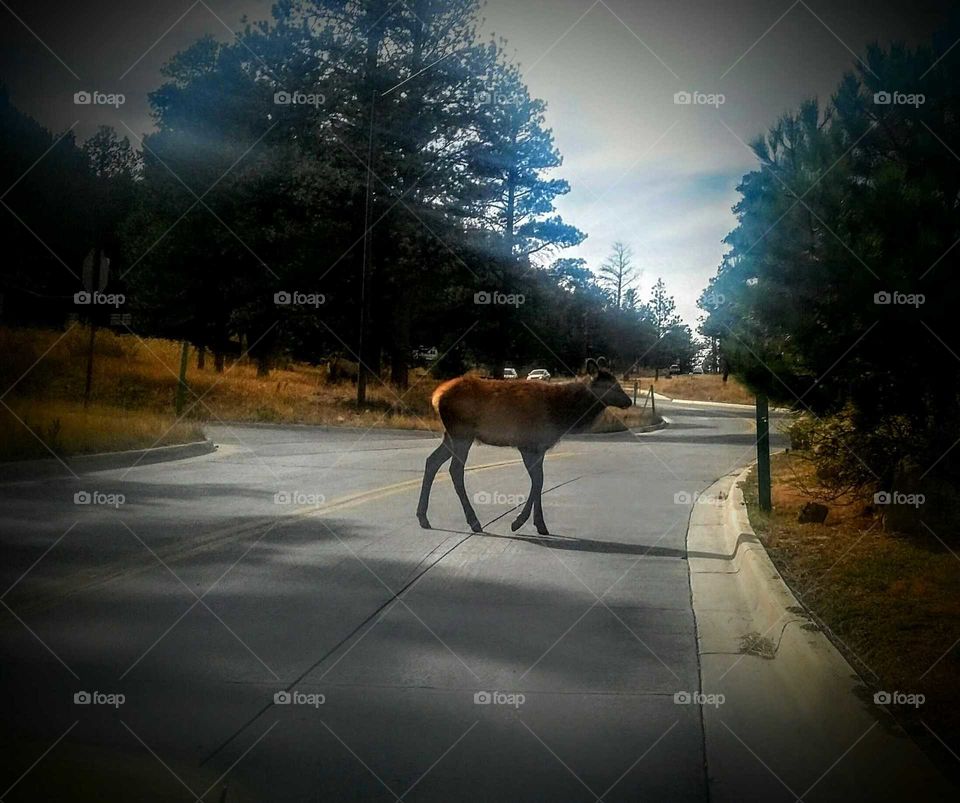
column 617, row 274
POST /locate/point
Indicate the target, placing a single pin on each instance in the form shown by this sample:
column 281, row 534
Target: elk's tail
column 439, row 393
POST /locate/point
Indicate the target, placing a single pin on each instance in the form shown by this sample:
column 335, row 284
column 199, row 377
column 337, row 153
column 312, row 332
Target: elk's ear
column 601, row 362
column 592, row 367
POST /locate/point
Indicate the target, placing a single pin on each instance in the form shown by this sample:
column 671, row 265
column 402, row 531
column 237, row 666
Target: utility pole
column 763, row 452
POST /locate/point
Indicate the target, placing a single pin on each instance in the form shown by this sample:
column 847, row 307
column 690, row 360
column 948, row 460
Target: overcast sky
column 657, row 175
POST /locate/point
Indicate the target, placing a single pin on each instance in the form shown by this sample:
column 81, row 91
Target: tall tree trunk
column 221, row 340
column 511, row 212
column 399, row 336
column 400, row 345
column 201, row 357
column 375, row 15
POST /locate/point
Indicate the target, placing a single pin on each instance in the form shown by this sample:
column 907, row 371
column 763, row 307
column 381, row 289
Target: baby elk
column 530, row 416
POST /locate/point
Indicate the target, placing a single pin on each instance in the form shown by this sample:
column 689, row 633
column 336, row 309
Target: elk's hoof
column 476, row 527
column 424, row 522
column 516, row 524
column 542, row 529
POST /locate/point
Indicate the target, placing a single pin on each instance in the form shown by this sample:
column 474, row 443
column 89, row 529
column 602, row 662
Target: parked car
column 509, row 373
column 541, row 374
column 697, row 370
column 428, row 353
column 675, row 369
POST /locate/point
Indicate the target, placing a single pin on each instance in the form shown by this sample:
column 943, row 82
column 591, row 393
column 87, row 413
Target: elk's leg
column 460, row 448
column 437, row 458
column 528, row 457
column 537, row 493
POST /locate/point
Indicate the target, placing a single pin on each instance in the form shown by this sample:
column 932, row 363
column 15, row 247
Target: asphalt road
column 422, row 665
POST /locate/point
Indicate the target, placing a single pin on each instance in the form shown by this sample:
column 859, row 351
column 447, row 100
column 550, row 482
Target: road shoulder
column 794, row 714
column 54, row 468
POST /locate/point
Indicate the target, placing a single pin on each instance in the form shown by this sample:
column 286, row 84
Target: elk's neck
column 582, row 408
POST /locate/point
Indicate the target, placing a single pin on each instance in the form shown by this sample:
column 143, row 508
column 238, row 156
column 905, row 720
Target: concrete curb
column 792, row 705
column 416, row 433
column 722, row 405
column 662, row 424
column 51, row 468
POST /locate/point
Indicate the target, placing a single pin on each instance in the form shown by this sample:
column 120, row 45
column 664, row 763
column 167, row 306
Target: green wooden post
column 636, row 385
column 182, row 383
column 763, row 453
column 653, row 404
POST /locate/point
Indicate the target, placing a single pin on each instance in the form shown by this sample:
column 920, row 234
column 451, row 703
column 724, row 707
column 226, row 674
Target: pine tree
column 662, row 308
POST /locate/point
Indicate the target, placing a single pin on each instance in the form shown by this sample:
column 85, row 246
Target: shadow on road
column 616, row 547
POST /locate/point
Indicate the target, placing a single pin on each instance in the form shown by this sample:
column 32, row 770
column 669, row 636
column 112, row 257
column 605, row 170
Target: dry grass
column 892, row 601
column 134, row 385
column 141, row 374
column 613, row 420
column 697, row 387
column 39, row 428
column 135, row 382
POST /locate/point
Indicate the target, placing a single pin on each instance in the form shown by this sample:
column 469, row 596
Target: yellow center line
column 352, row 500
column 58, row 590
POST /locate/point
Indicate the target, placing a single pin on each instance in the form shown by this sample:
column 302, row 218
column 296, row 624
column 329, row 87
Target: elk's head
column 604, row 385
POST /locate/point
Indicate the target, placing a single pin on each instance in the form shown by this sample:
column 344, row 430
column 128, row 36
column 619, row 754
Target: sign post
column 763, row 453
